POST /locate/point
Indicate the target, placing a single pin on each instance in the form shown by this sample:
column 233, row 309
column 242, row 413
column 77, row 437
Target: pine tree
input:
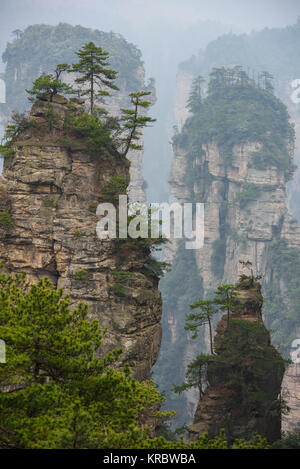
column 195, row 375
column 225, row 299
column 133, row 122
column 54, row 390
column 195, row 97
column 196, row 320
column 95, row 76
column 50, row 84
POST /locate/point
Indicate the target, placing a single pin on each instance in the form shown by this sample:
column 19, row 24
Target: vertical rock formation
column 246, row 214
column 244, row 376
column 31, row 54
column 49, row 192
column 290, row 395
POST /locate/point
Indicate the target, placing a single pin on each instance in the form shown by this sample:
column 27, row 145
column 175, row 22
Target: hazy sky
column 138, row 19
column 136, row 14
column 166, row 31
column 247, row 14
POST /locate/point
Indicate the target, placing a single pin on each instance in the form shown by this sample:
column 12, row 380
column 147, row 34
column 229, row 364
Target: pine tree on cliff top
column 95, row 77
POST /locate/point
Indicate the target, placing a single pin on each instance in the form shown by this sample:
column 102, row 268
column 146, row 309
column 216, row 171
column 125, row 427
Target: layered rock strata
column 51, row 189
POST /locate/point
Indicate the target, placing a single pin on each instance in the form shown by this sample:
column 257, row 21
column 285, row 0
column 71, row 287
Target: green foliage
column 195, row 97
column 6, row 222
column 95, row 134
column 81, row 275
column 252, row 370
column 225, row 299
column 49, row 85
column 238, row 111
column 195, row 375
column 95, row 77
column 244, row 348
column 156, row 267
column 50, row 202
column 51, row 116
column 204, row 442
column 121, row 280
column 61, row 395
column 92, row 208
column 19, row 122
column 272, row 48
column 110, row 136
column 195, row 320
column 103, row 134
column 249, row 193
column 133, row 122
column 288, row 441
column 116, row 186
column 45, row 46
column 144, row 229
column 281, row 311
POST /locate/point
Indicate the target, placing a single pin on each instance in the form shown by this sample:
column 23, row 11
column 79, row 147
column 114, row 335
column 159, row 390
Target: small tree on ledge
column 50, row 84
column 133, row 122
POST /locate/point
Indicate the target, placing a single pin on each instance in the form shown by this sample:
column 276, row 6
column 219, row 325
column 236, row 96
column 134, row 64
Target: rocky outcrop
column 251, row 225
column 31, row 54
column 244, row 376
column 291, row 395
column 246, row 218
column 52, row 187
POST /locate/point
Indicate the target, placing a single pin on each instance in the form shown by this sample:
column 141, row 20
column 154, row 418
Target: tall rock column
column 51, row 188
column 244, row 376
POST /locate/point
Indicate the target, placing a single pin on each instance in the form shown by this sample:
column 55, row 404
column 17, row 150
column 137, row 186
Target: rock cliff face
column 246, row 218
column 252, row 225
column 50, row 190
column 245, row 369
column 31, row 54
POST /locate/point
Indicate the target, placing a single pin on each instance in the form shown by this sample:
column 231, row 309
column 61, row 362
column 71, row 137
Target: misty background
column 167, row 32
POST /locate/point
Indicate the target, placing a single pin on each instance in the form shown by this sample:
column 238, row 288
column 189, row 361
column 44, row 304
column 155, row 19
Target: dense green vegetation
column 241, row 362
column 236, row 111
column 61, row 393
column 245, row 364
column 102, row 133
column 41, row 47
